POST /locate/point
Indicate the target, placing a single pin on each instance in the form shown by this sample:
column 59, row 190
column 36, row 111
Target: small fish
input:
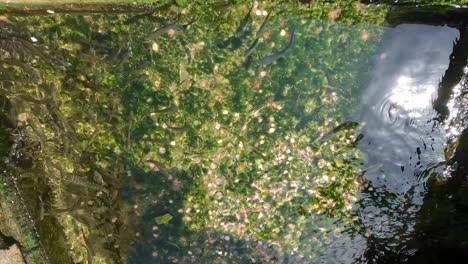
column 115, row 52
column 223, row 5
column 165, row 29
column 166, row 110
column 181, row 82
column 208, row 59
column 112, row 113
column 250, row 49
column 188, row 54
column 334, row 131
column 296, row 100
column 124, row 59
column 42, row 209
column 181, row 129
column 63, row 63
column 89, row 249
column 259, row 34
column 306, row 119
column 263, row 26
column 276, row 56
column 328, row 76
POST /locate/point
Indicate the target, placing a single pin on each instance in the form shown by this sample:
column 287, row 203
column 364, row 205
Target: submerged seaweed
column 145, row 141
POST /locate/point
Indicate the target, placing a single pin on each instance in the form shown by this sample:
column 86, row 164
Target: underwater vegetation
column 162, row 136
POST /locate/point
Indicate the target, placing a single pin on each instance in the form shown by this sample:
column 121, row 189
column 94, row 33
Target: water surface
column 161, row 140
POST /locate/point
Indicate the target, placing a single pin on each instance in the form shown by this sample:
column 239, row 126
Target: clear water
column 175, row 147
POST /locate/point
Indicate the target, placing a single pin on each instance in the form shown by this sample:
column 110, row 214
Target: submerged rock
column 12, row 255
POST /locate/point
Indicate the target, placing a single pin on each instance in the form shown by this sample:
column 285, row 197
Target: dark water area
column 313, row 135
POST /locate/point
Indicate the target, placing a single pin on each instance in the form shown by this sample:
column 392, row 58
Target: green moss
column 104, row 116
column 14, row 221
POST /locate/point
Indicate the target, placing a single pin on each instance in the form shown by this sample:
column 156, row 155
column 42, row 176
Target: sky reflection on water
column 403, row 141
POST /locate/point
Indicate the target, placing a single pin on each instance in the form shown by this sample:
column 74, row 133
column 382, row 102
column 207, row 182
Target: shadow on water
column 153, row 138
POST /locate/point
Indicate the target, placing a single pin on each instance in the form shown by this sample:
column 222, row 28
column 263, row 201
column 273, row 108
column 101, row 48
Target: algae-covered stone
column 163, row 219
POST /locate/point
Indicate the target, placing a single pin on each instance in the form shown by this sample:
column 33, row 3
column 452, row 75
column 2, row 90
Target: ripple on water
column 401, row 139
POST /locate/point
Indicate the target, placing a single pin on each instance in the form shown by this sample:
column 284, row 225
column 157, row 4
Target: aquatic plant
column 123, row 126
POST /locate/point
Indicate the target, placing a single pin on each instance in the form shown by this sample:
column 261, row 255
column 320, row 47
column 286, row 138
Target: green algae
column 118, row 128
column 87, row 135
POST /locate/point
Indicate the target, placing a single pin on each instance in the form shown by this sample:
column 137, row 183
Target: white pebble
column 155, row 47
